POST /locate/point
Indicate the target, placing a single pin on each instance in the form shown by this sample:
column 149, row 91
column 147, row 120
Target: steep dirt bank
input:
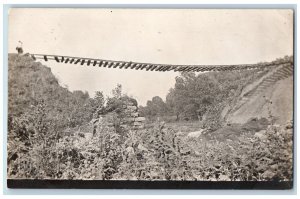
column 276, row 100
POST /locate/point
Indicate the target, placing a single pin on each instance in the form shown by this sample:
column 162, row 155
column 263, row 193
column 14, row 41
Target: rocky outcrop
column 126, row 117
column 129, row 118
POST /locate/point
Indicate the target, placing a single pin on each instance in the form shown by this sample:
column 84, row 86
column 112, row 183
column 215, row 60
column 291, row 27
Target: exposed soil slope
column 270, row 96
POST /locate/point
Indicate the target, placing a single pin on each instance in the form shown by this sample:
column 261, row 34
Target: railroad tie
column 95, row 63
column 77, row 61
column 72, row 60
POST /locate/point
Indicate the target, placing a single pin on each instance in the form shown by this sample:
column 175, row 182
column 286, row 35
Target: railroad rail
column 151, row 66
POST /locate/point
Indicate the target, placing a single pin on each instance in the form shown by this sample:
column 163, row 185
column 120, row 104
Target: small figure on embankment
column 19, row 48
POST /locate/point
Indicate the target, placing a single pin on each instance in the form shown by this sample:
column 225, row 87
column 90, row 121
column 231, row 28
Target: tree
column 173, row 107
column 154, row 108
column 192, row 95
column 99, row 99
column 97, row 103
column 117, row 92
column 159, row 106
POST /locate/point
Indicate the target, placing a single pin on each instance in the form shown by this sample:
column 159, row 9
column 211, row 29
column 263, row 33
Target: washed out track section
column 95, row 62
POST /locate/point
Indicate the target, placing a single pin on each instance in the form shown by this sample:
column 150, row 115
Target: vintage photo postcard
column 150, row 98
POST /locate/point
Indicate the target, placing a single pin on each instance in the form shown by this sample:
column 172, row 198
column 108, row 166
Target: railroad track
column 95, row 62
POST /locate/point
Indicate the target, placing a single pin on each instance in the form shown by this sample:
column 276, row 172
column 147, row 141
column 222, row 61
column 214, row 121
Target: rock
column 130, row 150
column 134, row 108
column 127, row 111
column 124, row 126
column 129, row 119
column 137, row 123
column 139, row 119
column 261, row 135
column 268, row 174
column 130, row 103
column 195, row 134
column 224, row 178
column 181, row 133
column 134, row 114
column 110, row 124
column 137, row 127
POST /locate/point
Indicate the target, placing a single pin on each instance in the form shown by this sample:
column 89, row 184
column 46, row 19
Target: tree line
column 202, row 96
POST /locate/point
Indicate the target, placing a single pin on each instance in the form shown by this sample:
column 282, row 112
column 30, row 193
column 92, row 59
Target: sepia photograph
column 150, row 98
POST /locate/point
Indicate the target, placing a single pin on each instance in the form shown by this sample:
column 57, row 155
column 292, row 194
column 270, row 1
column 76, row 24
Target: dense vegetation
column 32, row 85
column 46, row 140
column 203, row 96
column 200, row 97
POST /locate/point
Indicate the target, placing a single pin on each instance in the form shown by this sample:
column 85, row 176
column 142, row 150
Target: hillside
column 32, row 88
column 270, row 97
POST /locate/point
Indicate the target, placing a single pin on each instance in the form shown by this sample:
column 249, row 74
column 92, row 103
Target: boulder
column 137, row 123
column 129, row 119
column 134, row 114
column 130, row 103
column 124, row 126
column 138, row 127
column 130, row 150
column 224, row 178
column 261, row 135
column 268, row 174
column 195, row 134
column 139, row 119
column 181, row 133
column 110, row 124
column 134, row 108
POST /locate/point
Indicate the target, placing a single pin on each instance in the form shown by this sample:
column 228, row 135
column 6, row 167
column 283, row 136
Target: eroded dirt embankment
column 275, row 101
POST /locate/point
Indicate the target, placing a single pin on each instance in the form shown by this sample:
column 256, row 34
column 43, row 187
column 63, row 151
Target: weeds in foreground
column 153, row 154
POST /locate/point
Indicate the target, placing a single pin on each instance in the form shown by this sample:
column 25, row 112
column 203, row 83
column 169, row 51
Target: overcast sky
column 179, row 36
